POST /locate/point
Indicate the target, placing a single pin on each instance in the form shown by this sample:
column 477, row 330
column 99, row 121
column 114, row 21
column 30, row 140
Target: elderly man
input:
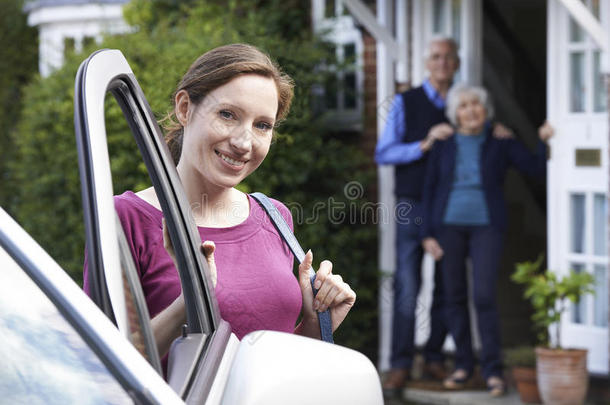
column 411, row 130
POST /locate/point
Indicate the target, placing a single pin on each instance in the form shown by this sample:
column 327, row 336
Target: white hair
column 455, row 94
column 442, row 38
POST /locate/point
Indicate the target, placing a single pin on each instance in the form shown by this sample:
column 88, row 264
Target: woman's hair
column 455, row 94
column 216, row 68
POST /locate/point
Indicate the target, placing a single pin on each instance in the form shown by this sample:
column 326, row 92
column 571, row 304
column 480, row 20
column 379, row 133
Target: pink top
column 256, row 288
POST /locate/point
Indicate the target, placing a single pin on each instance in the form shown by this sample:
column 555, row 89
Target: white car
column 59, row 347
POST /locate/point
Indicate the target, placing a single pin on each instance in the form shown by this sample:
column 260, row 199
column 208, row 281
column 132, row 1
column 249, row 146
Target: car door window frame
column 108, row 71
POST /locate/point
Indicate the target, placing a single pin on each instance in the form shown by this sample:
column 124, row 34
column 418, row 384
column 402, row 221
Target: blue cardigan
column 497, row 155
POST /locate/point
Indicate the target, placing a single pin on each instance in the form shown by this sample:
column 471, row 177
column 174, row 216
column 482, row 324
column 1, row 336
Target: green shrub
column 19, row 56
column 548, row 294
column 521, row 356
column 306, row 164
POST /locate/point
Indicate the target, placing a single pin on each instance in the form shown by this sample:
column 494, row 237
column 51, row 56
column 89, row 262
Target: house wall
column 58, row 22
column 526, row 234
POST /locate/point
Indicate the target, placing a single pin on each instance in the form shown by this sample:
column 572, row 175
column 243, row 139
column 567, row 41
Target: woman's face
column 228, row 134
column 471, row 114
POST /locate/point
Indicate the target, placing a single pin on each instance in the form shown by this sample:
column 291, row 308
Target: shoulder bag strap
column 326, row 331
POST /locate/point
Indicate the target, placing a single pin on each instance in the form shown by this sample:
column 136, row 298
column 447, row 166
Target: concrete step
column 420, row 396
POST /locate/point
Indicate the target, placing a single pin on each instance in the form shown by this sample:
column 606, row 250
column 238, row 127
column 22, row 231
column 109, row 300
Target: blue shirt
column 390, row 150
column 467, row 205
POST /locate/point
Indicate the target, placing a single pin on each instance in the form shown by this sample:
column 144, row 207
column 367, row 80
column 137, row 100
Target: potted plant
column 522, row 361
column 561, row 373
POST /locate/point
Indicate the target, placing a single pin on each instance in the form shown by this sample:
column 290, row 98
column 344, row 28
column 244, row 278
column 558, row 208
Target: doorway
column 514, row 71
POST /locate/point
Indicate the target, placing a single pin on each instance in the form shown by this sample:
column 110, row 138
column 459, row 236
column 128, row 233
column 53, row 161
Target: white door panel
column 578, row 188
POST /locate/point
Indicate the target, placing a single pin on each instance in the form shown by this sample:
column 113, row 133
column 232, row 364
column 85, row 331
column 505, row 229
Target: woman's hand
column 166, row 324
column 333, row 294
column 431, row 246
column 546, row 131
column 207, row 248
column 439, row 132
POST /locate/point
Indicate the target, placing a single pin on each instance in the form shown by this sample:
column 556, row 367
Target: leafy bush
column 306, row 164
column 19, row 56
column 520, row 356
column 548, row 294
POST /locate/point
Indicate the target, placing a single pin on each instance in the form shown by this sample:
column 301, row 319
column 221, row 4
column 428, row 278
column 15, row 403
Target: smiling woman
column 219, row 132
column 226, row 137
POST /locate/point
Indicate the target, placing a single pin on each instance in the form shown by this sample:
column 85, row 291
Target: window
column 338, row 98
column 439, row 16
column 578, row 223
column 342, row 87
column 579, row 310
column 44, row 360
column 446, row 18
column 342, row 91
column 600, row 218
column 577, row 81
column 589, row 253
column 456, row 7
column 587, row 91
column 600, row 312
column 447, row 21
column 600, row 99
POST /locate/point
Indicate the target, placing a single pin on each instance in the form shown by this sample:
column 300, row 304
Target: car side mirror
column 272, row 365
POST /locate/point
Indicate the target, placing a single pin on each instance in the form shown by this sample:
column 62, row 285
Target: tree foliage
column 19, row 56
column 306, row 165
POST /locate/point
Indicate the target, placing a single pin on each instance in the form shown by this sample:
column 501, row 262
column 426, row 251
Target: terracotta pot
column 562, row 375
column 525, row 378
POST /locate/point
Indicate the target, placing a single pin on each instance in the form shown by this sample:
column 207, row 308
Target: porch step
column 420, row 396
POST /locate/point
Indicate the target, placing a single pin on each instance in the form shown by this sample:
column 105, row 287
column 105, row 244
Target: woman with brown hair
column 220, row 131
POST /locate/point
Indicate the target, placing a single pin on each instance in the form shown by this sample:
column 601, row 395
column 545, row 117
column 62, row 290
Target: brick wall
column 369, row 136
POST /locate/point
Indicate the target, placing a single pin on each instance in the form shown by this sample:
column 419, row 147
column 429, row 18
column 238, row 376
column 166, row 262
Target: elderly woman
column 466, row 217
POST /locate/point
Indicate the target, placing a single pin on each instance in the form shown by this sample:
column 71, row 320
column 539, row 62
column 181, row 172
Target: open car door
column 113, row 280
column 207, row 364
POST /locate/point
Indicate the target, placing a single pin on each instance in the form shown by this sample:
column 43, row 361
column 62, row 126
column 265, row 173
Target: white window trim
column 341, row 30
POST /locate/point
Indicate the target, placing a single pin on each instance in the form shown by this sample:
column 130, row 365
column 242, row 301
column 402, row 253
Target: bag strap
column 326, row 331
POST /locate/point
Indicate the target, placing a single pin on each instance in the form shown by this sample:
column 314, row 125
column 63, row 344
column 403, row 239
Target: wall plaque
column 588, row 157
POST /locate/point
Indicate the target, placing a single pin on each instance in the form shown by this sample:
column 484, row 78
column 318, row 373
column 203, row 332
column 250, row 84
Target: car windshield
column 44, row 360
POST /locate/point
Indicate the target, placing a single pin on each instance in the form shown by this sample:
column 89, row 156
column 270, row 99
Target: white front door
column 578, row 174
